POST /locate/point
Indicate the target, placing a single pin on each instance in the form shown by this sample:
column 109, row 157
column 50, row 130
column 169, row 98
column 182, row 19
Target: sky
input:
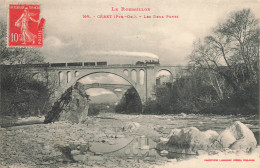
column 103, row 78
column 70, row 38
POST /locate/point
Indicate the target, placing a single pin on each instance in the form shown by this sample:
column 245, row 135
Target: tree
column 229, row 56
column 232, row 50
column 223, row 77
column 130, row 102
column 21, row 94
column 242, row 30
column 207, row 58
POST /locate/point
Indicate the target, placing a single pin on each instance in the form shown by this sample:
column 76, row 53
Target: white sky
column 98, row 91
column 69, row 37
column 105, row 78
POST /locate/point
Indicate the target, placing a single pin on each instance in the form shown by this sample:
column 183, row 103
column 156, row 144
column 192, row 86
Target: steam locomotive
column 150, row 62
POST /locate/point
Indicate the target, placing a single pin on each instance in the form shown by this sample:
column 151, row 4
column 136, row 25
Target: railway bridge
column 64, row 75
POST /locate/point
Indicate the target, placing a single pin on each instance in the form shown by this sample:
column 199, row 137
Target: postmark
column 25, row 28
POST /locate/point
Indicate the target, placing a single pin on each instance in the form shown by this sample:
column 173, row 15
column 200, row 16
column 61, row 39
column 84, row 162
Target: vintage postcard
column 129, row 83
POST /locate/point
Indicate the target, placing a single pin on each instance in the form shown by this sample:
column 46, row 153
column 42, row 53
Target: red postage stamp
column 25, row 26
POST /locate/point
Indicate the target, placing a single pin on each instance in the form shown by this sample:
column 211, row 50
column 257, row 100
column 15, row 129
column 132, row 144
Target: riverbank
column 109, row 140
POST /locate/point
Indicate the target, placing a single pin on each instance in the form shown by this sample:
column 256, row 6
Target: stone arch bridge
column 117, row 89
column 141, row 77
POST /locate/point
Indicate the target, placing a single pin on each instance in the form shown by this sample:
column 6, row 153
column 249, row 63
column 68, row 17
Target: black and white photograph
column 129, row 83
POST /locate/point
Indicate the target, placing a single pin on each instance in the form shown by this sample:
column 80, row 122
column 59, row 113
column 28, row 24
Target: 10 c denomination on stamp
column 25, row 28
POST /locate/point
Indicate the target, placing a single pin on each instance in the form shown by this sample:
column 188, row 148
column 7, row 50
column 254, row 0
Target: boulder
column 189, row 141
column 173, row 132
column 130, row 126
column 72, row 106
column 257, row 136
column 75, row 152
column 66, row 152
column 238, row 137
column 211, row 135
column 80, row 158
column 226, row 138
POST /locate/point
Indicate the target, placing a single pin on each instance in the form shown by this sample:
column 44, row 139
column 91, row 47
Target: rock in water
column 238, row 137
column 226, row 138
column 72, row 106
column 189, row 141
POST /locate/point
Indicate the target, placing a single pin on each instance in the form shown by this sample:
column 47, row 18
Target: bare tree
column 242, row 29
column 231, row 50
column 207, row 58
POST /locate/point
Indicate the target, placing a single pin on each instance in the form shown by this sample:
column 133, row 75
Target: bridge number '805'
column 15, row 37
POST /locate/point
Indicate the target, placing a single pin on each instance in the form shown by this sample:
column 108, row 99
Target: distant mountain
column 104, row 98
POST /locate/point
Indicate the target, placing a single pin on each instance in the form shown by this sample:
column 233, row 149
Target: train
column 91, row 64
column 103, row 63
column 150, row 62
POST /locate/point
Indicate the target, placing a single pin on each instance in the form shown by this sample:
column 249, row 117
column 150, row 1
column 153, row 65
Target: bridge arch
column 56, row 75
column 166, row 70
column 69, row 76
column 132, row 84
column 134, row 75
column 60, row 74
column 141, row 76
column 126, row 72
column 95, row 91
column 76, row 73
column 85, row 72
column 116, row 92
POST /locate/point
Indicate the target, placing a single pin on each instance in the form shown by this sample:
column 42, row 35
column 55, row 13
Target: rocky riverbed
column 110, row 140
